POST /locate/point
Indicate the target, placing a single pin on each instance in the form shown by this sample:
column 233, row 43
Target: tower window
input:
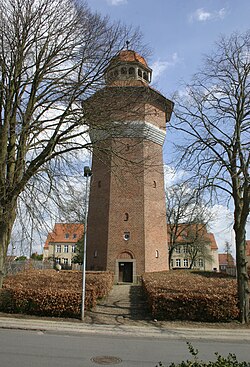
column 131, row 71
column 126, row 236
column 126, row 217
column 95, row 253
column 99, row 184
column 145, row 76
column 157, row 253
column 66, row 235
column 154, row 184
column 124, row 71
column 116, row 73
column 127, row 147
column 139, row 72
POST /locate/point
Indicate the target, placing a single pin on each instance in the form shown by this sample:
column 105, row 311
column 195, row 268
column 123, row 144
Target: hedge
column 182, row 295
column 52, row 293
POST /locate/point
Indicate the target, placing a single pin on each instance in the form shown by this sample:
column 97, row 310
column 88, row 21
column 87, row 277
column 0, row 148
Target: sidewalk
column 125, row 312
column 78, row 327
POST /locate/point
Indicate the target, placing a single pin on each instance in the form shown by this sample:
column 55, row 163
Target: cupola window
column 123, row 71
column 145, row 76
column 139, row 72
column 131, row 71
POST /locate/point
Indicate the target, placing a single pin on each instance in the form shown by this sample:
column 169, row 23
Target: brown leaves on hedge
column 183, row 295
column 52, row 293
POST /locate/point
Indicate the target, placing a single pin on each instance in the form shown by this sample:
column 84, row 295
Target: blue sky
column 179, row 33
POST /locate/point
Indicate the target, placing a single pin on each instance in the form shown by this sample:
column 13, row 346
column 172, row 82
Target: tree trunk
column 242, row 276
column 7, row 219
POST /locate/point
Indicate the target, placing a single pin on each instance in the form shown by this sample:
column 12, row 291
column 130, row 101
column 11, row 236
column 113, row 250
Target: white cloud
column 202, row 15
column 116, row 2
column 160, row 66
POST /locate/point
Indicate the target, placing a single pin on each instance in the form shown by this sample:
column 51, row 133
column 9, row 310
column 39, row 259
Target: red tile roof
column 248, row 247
column 129, row 56
column 226, row 259
column 74, row 232
column 186, row 230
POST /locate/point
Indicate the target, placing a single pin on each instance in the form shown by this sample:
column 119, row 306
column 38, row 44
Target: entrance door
column 126, row 272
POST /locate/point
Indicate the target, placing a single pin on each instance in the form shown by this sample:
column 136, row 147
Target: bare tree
column 186, row 214
column 52, row 56
column 215, row 120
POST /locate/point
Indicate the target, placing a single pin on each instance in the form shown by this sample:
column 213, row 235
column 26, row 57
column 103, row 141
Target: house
column 60, row 245
column 194, row 248
column 227, row 264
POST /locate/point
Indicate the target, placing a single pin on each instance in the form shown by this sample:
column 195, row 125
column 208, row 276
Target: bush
column 52, row 293
column 184, row 295
column 229, row 361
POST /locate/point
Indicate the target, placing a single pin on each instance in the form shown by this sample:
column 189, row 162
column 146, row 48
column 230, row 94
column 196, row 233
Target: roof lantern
column 128, row 68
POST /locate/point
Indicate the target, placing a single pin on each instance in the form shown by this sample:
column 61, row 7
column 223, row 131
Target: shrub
column 229, row 361
column 52, row 293
column 184, row 295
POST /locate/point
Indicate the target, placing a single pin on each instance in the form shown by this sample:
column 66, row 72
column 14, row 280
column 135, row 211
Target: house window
column 65, row 261
column 58, row 248
column 178, row 250
column 66, row 248
column 178, row 263
column 126, row 217
column 126, row 236
column 201, row 263
column 57, row 260
column 185, row 263
column 74, row 249
column 185, row 249
column 171, row 263
column 157, row 253
column 66, row 235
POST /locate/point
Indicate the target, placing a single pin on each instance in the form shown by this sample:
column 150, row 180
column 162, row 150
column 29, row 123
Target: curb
column 125, row 330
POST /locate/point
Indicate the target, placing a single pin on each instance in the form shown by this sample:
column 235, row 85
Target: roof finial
column 127, row 43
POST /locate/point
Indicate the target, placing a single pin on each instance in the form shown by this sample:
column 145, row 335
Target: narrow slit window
column 154, row 184
column 126, row 216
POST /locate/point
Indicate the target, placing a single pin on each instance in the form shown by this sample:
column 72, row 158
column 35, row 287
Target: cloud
column 160, row 66
column 202, row 15
column 116, row 2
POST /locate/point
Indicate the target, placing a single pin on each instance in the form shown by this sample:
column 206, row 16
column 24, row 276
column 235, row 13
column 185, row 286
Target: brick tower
column 127, row 231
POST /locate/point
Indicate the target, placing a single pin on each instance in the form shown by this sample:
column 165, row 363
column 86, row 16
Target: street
column 23, row 348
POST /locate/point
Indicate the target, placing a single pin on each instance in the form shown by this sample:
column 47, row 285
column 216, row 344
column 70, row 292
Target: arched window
column 154, row 184
column 123, row 71
column 157, row 253
column 145, row 76
column 126, row 217
column 131, row 71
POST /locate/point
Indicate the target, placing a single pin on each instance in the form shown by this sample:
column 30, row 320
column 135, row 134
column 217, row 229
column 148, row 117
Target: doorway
column 126, row 272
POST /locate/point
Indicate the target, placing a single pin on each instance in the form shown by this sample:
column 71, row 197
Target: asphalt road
column 26, row 348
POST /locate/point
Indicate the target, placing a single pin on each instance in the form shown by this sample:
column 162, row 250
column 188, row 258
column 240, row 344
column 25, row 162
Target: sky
column 179, row 33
